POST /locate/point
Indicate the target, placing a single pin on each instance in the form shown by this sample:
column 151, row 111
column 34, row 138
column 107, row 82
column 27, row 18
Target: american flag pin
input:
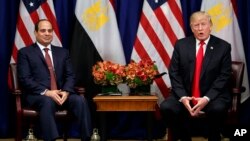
column 211, row 47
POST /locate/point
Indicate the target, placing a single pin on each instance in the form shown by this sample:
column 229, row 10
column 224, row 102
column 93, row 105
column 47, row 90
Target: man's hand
column 57, row 95
column 195, row 110
column 201, row 103
column 54, row 94
column 64, row 95
column 186, row 102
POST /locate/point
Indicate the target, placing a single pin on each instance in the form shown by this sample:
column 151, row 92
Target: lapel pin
column 211, row 47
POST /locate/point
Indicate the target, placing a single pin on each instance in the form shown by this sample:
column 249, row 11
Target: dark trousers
column 75, row 104
column 178, row 119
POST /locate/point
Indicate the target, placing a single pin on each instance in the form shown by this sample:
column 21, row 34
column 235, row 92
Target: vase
column 123, row 88
column 110, row 90
column 140, row 90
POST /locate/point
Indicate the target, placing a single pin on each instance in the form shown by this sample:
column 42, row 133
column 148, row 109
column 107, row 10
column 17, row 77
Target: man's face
column 201, row 27
column 44, row 35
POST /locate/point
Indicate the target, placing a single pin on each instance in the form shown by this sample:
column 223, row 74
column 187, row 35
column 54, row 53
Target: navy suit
column 215, row 75
column 34, row 77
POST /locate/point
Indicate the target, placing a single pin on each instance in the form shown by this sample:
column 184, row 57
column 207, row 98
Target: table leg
column 103, row 126
column 150, row 125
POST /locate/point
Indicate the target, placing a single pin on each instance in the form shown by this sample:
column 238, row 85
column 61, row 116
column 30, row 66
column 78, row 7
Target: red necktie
column 198, row 65
column 53, row 85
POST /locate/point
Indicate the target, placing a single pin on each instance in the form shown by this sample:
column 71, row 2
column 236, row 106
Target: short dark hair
column 37, row 23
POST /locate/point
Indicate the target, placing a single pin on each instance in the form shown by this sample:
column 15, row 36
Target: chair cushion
column 32, row 113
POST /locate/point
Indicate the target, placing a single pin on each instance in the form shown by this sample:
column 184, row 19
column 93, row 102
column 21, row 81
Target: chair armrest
column 80, row 90
column 16, row 92
column 236, row 92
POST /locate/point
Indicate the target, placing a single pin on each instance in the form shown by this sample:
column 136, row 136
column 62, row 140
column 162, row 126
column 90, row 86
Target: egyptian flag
column 225, row 26
column 95, row 38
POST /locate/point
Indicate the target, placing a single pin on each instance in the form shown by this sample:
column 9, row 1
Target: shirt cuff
column 182, row 98
column 44, row 92
column 208, row 99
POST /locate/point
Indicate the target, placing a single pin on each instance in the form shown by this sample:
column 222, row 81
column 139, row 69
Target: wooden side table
column 107, row 104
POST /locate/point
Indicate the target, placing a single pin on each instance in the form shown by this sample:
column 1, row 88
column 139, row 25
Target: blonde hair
column 199, row 14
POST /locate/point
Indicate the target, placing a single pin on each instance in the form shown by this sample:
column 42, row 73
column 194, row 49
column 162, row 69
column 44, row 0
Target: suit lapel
column 55, row 57
column 192, row 58
column 208, row 55
column 38, row 51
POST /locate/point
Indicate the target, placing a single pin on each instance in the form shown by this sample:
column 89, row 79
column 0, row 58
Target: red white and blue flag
column 30, row 12
column 161, row 24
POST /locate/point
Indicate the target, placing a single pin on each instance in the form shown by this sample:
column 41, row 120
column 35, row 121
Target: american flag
column 161, row 24
column 30, row 11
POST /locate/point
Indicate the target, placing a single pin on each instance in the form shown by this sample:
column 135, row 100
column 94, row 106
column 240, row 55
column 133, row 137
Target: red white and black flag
column 95, row 37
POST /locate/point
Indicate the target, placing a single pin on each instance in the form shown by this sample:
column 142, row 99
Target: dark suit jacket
column 33, row 72
column 216, row 68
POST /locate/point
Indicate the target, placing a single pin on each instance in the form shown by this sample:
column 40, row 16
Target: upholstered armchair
column 236, row 89
column 27, row 116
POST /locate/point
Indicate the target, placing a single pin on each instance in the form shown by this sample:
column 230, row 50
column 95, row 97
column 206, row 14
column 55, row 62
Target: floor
column 163, row 139
column 193, row 139
column 196, row 139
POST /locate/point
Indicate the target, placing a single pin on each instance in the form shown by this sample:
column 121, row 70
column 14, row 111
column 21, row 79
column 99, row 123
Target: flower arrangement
column 108, row 73
column 134, row 74
column 141, row 73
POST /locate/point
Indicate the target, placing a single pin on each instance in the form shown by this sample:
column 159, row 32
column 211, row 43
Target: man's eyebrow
column 47, row 29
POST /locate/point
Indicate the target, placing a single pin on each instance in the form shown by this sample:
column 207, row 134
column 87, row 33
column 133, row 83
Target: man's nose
column 200, row 27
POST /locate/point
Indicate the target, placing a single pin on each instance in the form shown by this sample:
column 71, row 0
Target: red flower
column 134, row 74
column 142, row 73
column 108, row 73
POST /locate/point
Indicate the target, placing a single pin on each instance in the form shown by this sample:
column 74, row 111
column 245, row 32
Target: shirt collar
column 42, row 46
column 206, row 41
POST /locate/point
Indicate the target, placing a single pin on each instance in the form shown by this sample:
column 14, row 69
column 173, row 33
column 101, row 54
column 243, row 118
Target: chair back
column 29, row 115
column 14, row 78
column 236, row 85
column 236, row 90
column 237, row 74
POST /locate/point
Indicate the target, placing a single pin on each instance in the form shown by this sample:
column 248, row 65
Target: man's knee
column 47, row 102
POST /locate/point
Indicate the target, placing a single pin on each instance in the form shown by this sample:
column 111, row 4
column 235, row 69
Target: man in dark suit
column 212, row 83
column 34, row 77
